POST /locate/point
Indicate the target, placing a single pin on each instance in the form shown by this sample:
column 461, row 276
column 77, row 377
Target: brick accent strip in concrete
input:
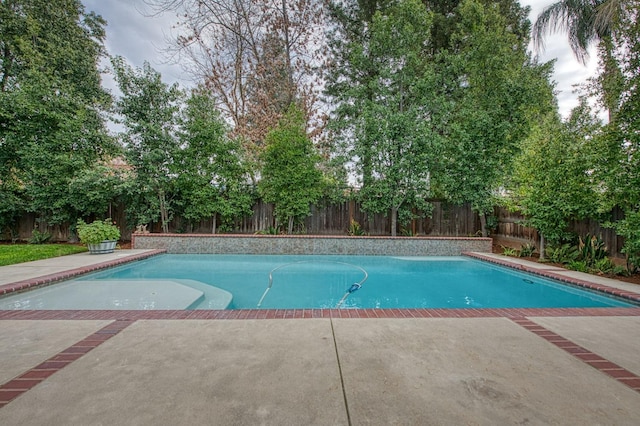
column 24, row 382
column 594, row 360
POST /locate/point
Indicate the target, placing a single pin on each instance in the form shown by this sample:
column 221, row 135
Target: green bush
column 272, row 230
column 565, row 253
column 591, row 249
column 355, row 229
column 578, row 265
column 509, row 251
column 629, row 228
column 38, row 237
column 527, row 250
column 97, row 231
column 603, row 266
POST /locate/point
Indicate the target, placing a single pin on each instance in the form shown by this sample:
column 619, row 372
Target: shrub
column 509, row 251
column 591, row 249
column 97, row 231
column 527, row 250
column 38, row 237
column 629, row 228
column 603, row 266
column 272, row 230
column 578, row 265
column 355, row 230
column 565, row 253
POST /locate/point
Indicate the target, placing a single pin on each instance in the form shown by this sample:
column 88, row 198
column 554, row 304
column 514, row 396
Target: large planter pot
column 107, row 246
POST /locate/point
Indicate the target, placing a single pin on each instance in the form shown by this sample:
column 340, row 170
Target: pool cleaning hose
column 351, row 289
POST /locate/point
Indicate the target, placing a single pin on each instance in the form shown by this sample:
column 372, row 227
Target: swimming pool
column 306, row 282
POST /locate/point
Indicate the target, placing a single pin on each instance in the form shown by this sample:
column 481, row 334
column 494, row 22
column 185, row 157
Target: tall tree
column 290, row 177
column 392, row 121
column 619, row 165
column 212, row 179
column 149, row 110
column 552, row 175
column 348, row 36
column 584, row 21
column 497, row 93
column 51, row 104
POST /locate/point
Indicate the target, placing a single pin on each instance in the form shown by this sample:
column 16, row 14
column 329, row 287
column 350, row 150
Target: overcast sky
column 133, row 34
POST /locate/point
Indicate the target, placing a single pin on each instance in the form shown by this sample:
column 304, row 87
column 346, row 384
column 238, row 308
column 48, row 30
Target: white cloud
column 138, row 36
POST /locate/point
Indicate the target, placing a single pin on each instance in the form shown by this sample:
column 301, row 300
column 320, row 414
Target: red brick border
column 26, row 381
column 243, row 314
column 612, row 369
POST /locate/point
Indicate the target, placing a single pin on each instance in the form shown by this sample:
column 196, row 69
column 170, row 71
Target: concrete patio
column 504, row 368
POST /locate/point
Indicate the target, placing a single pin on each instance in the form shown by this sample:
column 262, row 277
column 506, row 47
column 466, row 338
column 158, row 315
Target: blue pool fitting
column 354, row 287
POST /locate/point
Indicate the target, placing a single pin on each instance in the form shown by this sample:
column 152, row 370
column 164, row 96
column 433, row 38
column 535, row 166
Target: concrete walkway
column 39, row 268
column 536, row 370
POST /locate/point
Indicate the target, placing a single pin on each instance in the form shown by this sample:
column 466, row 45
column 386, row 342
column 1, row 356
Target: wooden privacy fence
column 334, row 219
column 331, row 219
column 511, row 225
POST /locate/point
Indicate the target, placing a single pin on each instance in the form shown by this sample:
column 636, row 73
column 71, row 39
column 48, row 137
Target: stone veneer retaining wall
column 311, row 244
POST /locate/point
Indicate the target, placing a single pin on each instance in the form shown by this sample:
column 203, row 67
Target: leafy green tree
column 349, row 80
column 290, row 178
column 554, row 184
column 149, row 109
column 51, row 104
column 96, row 190
column 445, row 19
column 497, row 92
column 619, row 163
column 211, row 176
column 392, row 121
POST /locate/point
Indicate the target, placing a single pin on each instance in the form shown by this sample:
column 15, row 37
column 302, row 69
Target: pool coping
column 134, row 315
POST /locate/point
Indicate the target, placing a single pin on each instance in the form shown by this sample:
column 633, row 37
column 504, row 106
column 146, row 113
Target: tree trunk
column 164, row 216
column 541, row 247
column 483, row 224
column 290, row 227
column 394, row 220
column 213, row 226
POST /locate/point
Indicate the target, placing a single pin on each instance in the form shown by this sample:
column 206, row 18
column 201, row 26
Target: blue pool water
column 297, row 282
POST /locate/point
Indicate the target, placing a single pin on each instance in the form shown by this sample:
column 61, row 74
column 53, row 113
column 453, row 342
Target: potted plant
column 100, row 236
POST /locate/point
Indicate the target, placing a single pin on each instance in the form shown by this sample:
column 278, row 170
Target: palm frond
column 576, row 18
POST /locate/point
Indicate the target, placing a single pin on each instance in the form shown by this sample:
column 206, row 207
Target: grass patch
column 17, row 253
